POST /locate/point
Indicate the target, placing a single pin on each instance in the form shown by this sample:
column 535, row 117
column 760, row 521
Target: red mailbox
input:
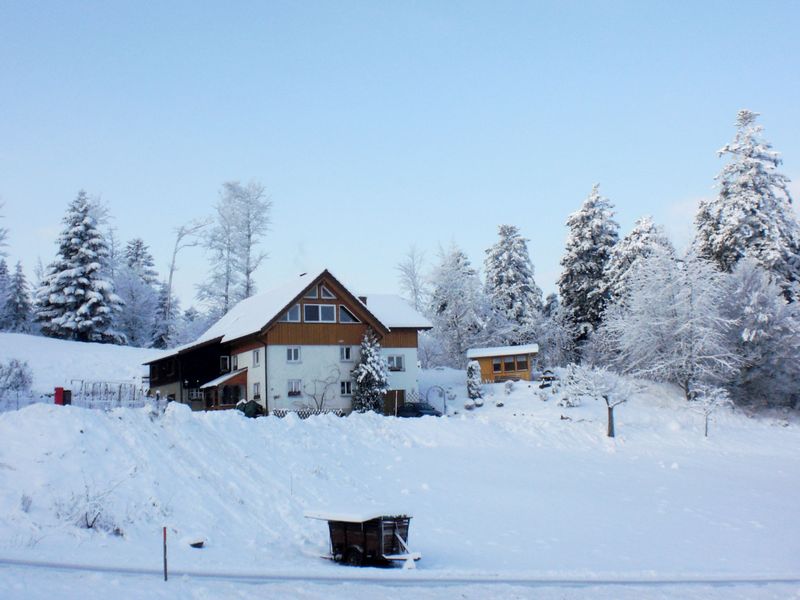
column 59, row 397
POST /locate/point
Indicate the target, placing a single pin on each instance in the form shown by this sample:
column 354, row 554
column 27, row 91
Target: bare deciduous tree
column 412, row 280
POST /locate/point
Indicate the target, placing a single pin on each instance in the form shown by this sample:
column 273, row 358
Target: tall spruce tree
column 18, row 311
column 645, row 238
column 370, row 375
column 752, row 215
column 5, row 285
column 582, row 287
column 140, row 261
column 165, row 324
column 75, row 300
column 514, row 298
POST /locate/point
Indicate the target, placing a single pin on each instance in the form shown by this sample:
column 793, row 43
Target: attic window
column 319, row 313
column 292, row 315
column 345, row 316
column 312, row 293
column 326, row 293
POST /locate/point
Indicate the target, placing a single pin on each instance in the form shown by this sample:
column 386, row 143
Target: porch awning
column 222, row 379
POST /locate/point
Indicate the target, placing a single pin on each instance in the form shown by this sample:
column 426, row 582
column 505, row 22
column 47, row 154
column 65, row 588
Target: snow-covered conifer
column 592, row 235
column 514, row 298
column 165, row 322
column 638, row 244
column 474, row 380
column 766, row 338
column 75, row 300
column 139, row 260
column 551, row 305
column 191, row 325
column 371, row 376
column 457, row 306
column 752, row 215
column 5, row 285
column 18, row 312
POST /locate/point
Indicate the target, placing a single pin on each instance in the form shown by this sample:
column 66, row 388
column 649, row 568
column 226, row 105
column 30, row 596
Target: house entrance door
column 392, row 401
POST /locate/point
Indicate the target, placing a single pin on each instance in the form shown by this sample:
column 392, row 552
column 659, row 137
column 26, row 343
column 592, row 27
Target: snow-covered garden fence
column 106, row 395
column 304, row 413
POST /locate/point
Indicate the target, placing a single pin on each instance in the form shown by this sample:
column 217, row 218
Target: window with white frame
column 295, row 387
column 346, row 353
column 345, row 316
column 325, row 293
column 292, row 315
column 256, row 390
column 256, row 357
column 396, row 363
column 319, row 313
column 312, row 293
column 235, row 362
column 346, row 388
column 293, row 354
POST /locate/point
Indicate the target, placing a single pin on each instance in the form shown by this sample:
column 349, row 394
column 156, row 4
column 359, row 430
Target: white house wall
column 316, row 364
column 255, row 372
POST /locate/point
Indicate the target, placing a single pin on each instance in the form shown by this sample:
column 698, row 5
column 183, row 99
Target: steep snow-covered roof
column 394, row 311
column 251, row 314
column 502, row 351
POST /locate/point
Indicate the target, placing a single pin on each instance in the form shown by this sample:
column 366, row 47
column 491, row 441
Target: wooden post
column 165, row 553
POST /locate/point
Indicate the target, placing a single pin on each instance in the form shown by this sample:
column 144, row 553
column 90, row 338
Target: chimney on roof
column 363, row 300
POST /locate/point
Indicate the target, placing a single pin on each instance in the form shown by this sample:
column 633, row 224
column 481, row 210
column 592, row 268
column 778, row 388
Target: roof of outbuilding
column 502, row 351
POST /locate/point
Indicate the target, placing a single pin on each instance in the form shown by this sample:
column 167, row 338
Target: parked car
column 417, row 409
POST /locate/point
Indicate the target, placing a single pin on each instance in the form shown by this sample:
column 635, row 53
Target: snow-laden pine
column 474, row 380
column 76, row 301
column 165, row 323
column 766, row 337
column 752, row 215
column 371, row 376
column 135, row 283
column 592, row 235
column 514, row 298
column 5, row 284
column 18, row 310
column 638, row 244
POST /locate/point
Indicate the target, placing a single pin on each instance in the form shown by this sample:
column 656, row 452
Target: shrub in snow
column 474, row 381
column 508, row 387
column 478, row 401
column 597, row 382
column 371, row 376
column 569, row 402
column 707, row 399
column 469, row 404
column 16, row 379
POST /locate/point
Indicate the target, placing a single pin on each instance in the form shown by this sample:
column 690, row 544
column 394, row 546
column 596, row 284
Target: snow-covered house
column 293, row 347
column 502, row 363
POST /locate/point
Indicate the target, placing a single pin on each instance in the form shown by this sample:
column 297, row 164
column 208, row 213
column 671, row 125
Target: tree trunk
column 610, row 421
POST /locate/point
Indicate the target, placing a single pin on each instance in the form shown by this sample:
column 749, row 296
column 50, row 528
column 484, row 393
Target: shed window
column 497, row 365
column 508, row 363
column 522, row 363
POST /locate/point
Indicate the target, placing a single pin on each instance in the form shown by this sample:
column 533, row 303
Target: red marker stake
column 165, row 553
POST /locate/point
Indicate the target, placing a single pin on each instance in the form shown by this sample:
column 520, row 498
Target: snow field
column 510, row 492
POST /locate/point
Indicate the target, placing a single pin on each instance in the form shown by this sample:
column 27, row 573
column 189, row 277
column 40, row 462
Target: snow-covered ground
column 510, row 493
column 57, row 363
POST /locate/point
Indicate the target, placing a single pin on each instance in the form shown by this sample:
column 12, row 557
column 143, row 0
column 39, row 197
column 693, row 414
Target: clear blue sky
column 375, row 125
